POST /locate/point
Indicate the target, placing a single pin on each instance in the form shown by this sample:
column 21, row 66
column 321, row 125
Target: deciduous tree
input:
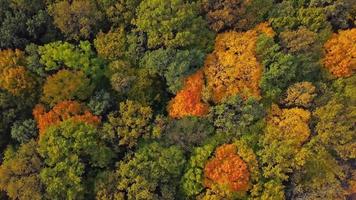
column 63, row 111
column 340, row 53
column 78, row 19
column 20, row 173
column 173, row 24
column 66, row 85
column 228, row 169
column 188, row 101
column 68, row 149
column 132, row 122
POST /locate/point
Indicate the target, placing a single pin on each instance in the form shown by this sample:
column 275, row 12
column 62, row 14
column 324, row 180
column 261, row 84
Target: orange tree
column 227, row 169
column 63, row 111
column 188, row 101
column 340, row 58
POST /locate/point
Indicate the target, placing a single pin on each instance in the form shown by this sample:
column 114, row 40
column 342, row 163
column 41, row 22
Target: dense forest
column 177, row 99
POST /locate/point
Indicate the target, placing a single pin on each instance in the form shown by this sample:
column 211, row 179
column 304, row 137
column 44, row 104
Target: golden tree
column 232, row 68
column 340, row 58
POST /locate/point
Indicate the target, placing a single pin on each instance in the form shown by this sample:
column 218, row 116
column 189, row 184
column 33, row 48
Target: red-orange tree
column 340, row 58
column 63, row 111
column 188, row 101
column 227, row 169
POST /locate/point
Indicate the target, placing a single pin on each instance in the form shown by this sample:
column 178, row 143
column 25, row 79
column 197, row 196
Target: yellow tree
column 340, row 58
column 232, row 68
column 13, row 76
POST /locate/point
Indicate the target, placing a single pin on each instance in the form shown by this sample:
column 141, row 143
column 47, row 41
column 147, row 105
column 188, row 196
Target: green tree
column 130, row 123
column 173, row 24
column 236, row 116
column 173, row 65
column 121, row 12
column 68, row 149
column 66, row 85
column 24, row 131
column 20, row 173
column 56, row 55
column 187, row 133
column 22, row 22
column 152, row 172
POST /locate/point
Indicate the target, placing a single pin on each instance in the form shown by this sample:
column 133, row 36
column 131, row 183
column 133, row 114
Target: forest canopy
column 177, row 99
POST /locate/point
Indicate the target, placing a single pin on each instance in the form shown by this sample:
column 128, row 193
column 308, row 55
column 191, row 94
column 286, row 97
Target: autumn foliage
column 340, row 58
column 63, row 111
column 188, row 101
column 227, row 169
column 232, row 68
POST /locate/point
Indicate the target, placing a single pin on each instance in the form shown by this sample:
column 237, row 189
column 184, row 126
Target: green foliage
column 173, row 65
column 335, row 126
column 22, row 22
column 67, row 149
column 100, row 103
column 129, row 124
column 187, row 133
column 78, row 87
column 24, row 131
column 151, row 173
column 57, row 55
column 120, row 12
column 20, row 173
column 235, row 116
column 320, row 177
column 173, row 24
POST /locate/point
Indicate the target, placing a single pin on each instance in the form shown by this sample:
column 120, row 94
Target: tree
column 67, row 150
column 111, row 45
column 63, row 111
column 151, row 173
column 56, row 55
column 228, row 169
column 235, row 116
column 173, row 24
column 285, row 133
column 100, row 103
column 225, row 14
column 121, row 12
column 77, row 87
column 11, row 58
column 24, row 131
column 20, row 173
column 78, row 19
column 132, row 122
column 173, row 65
column 17, row 80
column 188, row 101
column 232, row 68
column 340, row 53
column 280, row 69
column 187, row 133
column 299, row 41
column 320, row 177
column 335, row 127
column 23, row 22
column 300, row 94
